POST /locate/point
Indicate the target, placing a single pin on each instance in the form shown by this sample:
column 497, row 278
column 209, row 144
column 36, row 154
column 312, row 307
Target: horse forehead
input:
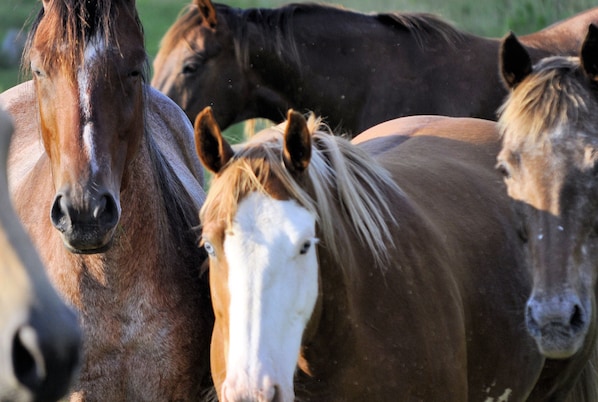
column 260, row 215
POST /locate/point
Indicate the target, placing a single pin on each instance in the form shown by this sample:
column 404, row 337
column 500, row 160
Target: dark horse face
column 549, row 160
column 87, row 63
column 197, row 66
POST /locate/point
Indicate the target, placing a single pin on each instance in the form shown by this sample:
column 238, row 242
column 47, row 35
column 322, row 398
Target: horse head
column 548, row 159
column 87, row 65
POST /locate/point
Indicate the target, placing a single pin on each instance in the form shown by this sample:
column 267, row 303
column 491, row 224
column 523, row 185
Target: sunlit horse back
column 103, row 176
column 39, row 337
column 354, row 69
column 385, row 269
column 549, row 125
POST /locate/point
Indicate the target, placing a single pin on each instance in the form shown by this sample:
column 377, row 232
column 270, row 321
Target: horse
column 387, row 268
column 104, row 178
column 548, row 161
column 40, row 339
column 354, row 69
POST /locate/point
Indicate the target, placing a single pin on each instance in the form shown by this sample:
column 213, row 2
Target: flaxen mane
column 345, row 185
column 554, row 95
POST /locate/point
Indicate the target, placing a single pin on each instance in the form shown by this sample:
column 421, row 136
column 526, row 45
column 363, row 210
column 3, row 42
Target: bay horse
column 548, row 159
column 40, row 339
column 103, row 175
column 385, row 269
column 354, row 69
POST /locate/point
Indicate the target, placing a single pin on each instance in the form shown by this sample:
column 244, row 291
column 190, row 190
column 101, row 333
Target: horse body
column 335, row 62
column 418, row 294
column 548, row 159
column 39, row 337
column 101, row 176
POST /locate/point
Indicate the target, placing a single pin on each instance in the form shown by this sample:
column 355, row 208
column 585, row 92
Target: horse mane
column 348, row 192
column 276, row 24
column 75, row 23
column 554, row 95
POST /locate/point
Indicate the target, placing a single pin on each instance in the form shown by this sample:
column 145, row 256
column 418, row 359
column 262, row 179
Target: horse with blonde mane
column 102, row 175
column 549, row 162
column 385, row 269
column 40, row 339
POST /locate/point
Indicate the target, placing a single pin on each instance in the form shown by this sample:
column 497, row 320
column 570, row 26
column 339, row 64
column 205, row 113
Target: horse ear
column 297, row 143
column 589, row 53
column 515, row 62
column 213, row 150
column 208, row 12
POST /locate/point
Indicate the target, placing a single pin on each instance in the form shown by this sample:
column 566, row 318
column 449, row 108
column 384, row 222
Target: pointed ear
column 589, row 53
column 297, row 143
column 213, row 150
column 515, row 63
column 208, row 12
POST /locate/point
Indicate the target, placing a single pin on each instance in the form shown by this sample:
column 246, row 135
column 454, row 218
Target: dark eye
column 307, row 245
column 190, row 68
column 501, row 167
column 135, row 74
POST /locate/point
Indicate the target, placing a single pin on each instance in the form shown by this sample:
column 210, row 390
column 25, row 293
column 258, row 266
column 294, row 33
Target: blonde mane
column 347, row 190
column 555, row 95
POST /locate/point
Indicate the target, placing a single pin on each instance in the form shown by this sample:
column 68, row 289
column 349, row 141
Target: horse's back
column 563, row 37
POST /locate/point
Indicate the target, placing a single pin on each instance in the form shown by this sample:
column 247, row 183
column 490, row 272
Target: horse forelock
column 70, row 26
column 555, row 99
column 346, row 189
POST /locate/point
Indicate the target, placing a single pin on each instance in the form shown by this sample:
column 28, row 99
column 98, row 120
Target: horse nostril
column 106, row 211
column 577, row 320
column 59, row 213
column 27, row 359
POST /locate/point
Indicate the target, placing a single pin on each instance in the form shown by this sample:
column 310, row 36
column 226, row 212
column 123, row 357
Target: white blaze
column 273, row 283
column 94, row 49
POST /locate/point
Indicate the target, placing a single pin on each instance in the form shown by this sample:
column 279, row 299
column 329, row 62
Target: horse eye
column 502, row 168
column 306, row 245
column 134, row 73
column 190, row 68
column 209, row 249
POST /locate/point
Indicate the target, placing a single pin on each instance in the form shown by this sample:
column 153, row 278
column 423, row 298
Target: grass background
column 482, row 17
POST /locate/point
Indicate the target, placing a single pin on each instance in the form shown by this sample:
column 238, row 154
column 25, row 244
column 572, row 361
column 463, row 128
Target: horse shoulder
column 173, row 134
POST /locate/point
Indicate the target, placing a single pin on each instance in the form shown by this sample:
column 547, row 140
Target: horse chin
column 87, row 245
column 555, row 342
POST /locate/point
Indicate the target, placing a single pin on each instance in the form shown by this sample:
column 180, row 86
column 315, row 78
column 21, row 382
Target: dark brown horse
column 549, row 125
column 102, row 174
column 39, row 337
column 367, row 271
column 354, row 69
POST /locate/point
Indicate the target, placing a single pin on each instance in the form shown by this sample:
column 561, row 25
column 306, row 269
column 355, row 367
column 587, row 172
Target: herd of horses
column 440, row 242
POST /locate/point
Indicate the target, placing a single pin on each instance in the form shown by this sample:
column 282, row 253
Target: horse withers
column 353, row 69
column 385, row 269
column 549, row 162
column 40, row 339
column 103, row 175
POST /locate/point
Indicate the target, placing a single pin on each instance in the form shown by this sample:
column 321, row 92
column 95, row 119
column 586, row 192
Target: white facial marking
column 273, row 283
column 93, row 50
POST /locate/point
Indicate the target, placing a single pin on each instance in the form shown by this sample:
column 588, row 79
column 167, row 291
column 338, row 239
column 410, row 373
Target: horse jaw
column 273, row 284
